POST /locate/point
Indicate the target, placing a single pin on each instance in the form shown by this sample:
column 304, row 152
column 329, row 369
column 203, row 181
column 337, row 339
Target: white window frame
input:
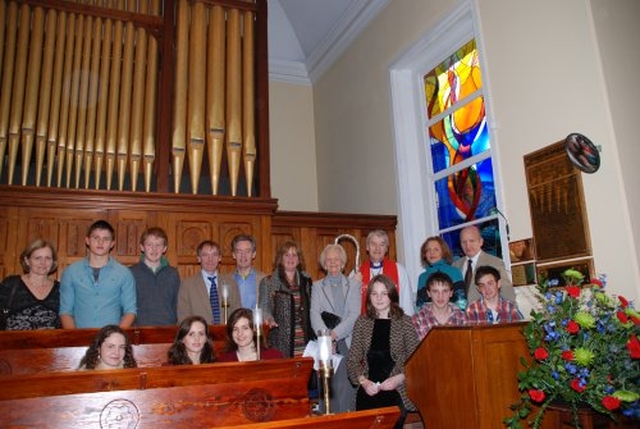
column 418, row 213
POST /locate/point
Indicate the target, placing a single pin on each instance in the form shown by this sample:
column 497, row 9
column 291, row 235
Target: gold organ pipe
column 248, row 100
column 83, row 101
column 196, row 92
column 124, row 122
column 66, row 95
column 180, row 95
column 17, row 99
column 92, row 101
column 3, row 12
column 234, row 100
column 75, row 98
column 137, row 107
column 215, row 94
column 103, row 104
column 31, row 93
column 114, row 94
column 56, row 95
column 150, row 101
column 45, row 95
column 7, row 77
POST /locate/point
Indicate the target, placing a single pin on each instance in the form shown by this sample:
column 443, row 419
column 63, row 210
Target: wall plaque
column 556, row 201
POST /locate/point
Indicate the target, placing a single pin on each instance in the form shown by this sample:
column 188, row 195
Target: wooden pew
column 379, row 418
column 205, row 395
column 28, row 352
column 82, row 337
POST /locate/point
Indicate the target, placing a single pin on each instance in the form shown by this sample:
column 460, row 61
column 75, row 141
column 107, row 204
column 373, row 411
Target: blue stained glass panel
column 466, row 195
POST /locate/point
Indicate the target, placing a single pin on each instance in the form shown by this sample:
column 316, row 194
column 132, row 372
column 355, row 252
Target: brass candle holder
column 325, row 366
column 257, row 325
column 225, row 303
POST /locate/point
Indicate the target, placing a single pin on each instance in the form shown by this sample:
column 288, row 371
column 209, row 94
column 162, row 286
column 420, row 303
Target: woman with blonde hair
column 32, row 300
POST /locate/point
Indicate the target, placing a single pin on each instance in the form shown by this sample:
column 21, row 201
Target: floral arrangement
column 585, row 352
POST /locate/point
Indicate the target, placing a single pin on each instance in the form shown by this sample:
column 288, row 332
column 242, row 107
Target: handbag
column 330, row 320
column 4, row 313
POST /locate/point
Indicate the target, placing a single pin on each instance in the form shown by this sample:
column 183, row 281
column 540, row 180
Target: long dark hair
column 233, row 319
column 178, row 352
column 395, row 311
column 279, row 264
column 92, row 356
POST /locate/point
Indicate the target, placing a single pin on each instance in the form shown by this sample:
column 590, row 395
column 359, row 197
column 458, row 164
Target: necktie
column 468, row 275
column 215, row 302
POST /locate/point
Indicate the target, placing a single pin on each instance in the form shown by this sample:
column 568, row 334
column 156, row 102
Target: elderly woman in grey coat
column 335, row 306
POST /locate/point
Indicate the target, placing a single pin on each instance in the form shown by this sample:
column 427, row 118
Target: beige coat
column 193, row 297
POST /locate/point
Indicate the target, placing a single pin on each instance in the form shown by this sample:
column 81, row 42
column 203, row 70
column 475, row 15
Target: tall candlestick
column 257, row 324
column 225, row 302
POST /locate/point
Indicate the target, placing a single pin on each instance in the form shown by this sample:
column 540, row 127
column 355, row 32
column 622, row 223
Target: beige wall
column 294, row 179
column 618, row 33
column 542, row 73
column 354, row 136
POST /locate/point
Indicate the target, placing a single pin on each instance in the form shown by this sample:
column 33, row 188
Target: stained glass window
column 460, row 147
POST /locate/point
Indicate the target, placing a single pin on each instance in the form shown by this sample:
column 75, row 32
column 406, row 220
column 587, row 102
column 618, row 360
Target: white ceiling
column 307, row 36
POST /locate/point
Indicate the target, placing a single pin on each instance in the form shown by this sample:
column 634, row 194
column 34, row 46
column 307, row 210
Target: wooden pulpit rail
column 379, row 418
column 204, row 396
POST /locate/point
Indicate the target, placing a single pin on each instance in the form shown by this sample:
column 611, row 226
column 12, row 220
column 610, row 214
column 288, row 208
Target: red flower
column 541, row 353
column 611, row 403
column 622, row 317
column 573, row 291
column 596, row 282
column 623, row 302
column 536, row 395
column 572, row 327
column 575, row 385
column 634, row 347
column 567, row 355
column 636, row 320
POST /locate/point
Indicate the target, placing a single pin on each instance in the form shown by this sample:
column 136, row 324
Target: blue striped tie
column 215, row 302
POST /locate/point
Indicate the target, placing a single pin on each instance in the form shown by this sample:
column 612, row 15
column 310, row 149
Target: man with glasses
column 243, row 248
column 205, row 293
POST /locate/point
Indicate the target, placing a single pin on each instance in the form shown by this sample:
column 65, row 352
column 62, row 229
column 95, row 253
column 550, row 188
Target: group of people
column 374, row 316
column 193, row 344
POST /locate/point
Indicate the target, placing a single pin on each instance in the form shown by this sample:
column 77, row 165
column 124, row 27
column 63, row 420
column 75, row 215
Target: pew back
column 28, row 352
column 378, row 418
column 209, row 395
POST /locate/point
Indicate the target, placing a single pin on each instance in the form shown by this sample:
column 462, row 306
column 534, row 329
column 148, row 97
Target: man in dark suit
column 471, row 242
column 205, row 293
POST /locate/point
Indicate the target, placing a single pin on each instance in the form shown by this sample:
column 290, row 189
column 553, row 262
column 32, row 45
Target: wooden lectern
column 463, row 377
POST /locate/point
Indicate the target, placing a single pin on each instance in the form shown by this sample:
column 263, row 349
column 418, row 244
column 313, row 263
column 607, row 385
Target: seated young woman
column 242, row 339
column 110, row 349
column 193, row 344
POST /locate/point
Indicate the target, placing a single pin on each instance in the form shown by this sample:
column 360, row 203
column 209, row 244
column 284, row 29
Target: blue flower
column 559, row 297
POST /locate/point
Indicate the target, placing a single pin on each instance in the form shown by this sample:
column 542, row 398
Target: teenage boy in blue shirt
column 97, row 290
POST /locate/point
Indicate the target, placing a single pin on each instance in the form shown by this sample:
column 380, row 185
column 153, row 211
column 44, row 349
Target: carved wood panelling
column 63, row 218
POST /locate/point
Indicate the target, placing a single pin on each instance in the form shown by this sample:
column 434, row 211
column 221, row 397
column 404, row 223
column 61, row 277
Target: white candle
column 257, row 317
column 324, row 348
column 225, row 292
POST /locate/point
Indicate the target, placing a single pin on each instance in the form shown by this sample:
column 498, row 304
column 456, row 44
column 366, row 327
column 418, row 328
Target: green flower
column 583, row 356
column 585, row 320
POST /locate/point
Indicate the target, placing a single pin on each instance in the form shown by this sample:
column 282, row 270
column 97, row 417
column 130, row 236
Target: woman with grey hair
column 335, row 306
